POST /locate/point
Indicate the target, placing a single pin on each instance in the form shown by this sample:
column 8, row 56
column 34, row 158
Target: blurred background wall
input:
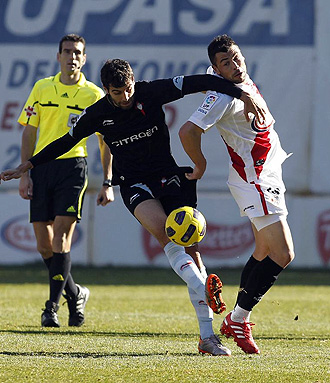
column 287, row 51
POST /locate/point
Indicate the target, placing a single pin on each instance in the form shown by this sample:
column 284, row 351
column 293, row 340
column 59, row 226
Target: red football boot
column 242, row 334
column 213, row 287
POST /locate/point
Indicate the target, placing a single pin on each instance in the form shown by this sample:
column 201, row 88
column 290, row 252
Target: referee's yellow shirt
column 53, row 107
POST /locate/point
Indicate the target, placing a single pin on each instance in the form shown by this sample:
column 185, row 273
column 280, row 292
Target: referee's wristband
column 107, row 183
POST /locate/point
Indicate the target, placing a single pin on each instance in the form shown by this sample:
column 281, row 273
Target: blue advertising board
column 159, row 22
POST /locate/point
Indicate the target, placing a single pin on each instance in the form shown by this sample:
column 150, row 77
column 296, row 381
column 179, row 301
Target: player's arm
column 190, row 136
column 106, row 194
column 48, row 153
column 29, row 138
column 203, row 82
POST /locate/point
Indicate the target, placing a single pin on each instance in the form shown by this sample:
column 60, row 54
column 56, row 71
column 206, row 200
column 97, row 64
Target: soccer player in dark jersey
column 56, row 189
column 132, row 121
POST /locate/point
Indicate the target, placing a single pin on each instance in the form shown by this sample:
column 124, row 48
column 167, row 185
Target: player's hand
column 196, row 174
column 25, row 188
column 254, row 106
column 105, row 196
column 10, row 174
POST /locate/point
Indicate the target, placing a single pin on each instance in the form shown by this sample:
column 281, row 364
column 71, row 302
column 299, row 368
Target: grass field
column 141, row 327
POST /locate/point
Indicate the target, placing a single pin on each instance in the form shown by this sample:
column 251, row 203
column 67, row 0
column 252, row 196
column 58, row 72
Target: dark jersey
column 138, row 137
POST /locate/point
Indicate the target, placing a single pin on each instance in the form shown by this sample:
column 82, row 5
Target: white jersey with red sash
column 254, row 149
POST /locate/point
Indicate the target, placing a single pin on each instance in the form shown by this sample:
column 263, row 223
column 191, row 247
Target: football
column 185, row 226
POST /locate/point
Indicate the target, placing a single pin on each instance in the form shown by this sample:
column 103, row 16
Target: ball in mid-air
column 185, row 226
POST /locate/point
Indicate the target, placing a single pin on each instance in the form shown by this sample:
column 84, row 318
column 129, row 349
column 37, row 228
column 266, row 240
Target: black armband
column 54, row 150
column 204, row 82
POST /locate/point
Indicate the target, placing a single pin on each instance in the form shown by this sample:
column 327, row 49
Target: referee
column 56, row 189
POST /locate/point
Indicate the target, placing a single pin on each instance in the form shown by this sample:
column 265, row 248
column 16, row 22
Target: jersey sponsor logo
column 65, row 95
column 175, row 179
column 30, row 111
column 135, row 137
column 208, row 102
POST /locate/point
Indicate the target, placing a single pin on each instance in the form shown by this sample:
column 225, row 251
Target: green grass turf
column 141, row 327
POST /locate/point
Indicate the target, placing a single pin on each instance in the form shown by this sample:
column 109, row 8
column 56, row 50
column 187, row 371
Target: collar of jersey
column 211, row 71
column 81, row 82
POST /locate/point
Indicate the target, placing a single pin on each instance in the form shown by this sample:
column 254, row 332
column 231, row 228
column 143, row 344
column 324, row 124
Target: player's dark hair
column 116, row 72
column 72, row 37
column 219, row 44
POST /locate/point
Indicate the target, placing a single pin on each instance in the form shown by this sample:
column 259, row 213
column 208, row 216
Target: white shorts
column 262, row 198
column 266, row 220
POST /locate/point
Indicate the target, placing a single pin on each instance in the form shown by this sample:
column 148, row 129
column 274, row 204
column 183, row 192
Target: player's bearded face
column 123, row 97
column 231, row 65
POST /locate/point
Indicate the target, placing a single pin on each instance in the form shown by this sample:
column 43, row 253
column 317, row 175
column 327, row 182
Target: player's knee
column 288, row 257
column 45, row 252
column 291, row 256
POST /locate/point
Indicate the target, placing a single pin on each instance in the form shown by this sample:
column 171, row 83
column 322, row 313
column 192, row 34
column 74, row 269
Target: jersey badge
column 73, row 118
column 30, row 111
column 178, row 82
column 208, row 102
column 140, row 107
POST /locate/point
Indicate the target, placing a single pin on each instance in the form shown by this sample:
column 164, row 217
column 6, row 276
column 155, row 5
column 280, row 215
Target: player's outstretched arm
column 10, row 174
column 252, row 105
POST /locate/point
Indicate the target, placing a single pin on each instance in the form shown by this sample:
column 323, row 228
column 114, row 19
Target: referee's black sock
column 47, row 261
column 70, row 287
column 261, row 279
column 58, row 274
column 249, row 266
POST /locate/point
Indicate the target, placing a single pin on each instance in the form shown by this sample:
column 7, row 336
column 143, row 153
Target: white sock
column 186, row 268
column 204, row 315
column 204, row 273
column 239, row 315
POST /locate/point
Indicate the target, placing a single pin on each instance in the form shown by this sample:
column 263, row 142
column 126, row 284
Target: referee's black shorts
column 58, row 189
column 172, row 190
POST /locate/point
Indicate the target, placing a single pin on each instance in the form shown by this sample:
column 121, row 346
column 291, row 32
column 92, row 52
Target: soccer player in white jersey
column 255, row 181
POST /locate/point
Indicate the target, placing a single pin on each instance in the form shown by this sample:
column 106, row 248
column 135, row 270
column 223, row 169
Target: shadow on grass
column 37, row 273
column 117, row 334
column 94, row 354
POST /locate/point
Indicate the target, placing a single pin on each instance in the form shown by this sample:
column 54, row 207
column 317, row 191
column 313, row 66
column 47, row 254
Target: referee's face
column 123, row 97
column 72, row 58
column 231, row 65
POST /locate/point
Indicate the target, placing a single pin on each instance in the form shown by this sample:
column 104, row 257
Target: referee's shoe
column 49, row 315
column 77, row 305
